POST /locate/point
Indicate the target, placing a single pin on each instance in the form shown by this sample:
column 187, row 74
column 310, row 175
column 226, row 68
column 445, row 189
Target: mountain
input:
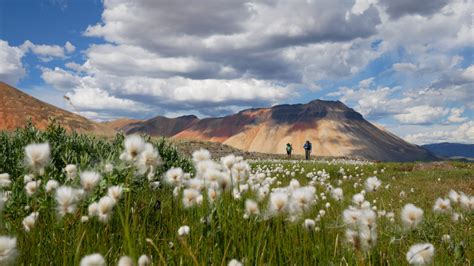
column 17, row 107
column 332, row 127
column 450, row 150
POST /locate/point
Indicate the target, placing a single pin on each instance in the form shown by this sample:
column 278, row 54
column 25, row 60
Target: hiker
column 307, row 149
column 289, row 149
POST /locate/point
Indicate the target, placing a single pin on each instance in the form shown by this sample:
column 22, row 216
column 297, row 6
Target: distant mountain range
column 334, row 129
column 450, row 150
column 17, row 107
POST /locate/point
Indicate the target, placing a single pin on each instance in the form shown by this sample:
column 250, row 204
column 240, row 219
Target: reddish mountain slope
column 17, row 107
column 333, row 128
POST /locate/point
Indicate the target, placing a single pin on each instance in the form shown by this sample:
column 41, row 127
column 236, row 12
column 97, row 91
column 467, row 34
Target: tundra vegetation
column 78, row 199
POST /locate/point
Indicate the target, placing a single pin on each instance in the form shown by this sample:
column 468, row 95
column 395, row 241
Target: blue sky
column 405, row 65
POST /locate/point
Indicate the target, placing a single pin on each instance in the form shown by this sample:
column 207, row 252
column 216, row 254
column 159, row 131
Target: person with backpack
column 307, row 149
column 289, row 149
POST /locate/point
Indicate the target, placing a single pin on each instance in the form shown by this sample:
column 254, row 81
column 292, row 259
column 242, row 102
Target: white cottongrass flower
column 115, row 192
column 174, row 176
column 5, row 180
column 144, row 260
column 134, row 146
column 234, row 262
column 191, row 197
column 108, row 168
column 32, row 186
column 125, row 261
column 149, row 159
column 420, row 254
column 302, row 199
column 454, row 196
column 446, row 238
column 84, row 219
column 351, row 217
column 228, row 161
column 442, row 205
column 29, row 221
column 105, row 207
column 358, row 199
column 28, row 178
column 51, row 185
column 372, row 184
column 309, row 224
column 278, row 203
column 71, row 171
column 411, row 215
column 251, row 208
column 212, row 194
column 89, row 180
column 184, row 230
column 37, row 156
column 66, row 199
column 240, row 171
column 195, row 183
column 455, row 217
column 466, row 202
column 201, row 155
column 8, row 252
column 337, row 194
column 93, row 260
column 93, row 209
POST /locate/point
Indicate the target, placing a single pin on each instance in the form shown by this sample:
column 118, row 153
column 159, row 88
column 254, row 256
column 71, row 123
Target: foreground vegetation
column 138, row 198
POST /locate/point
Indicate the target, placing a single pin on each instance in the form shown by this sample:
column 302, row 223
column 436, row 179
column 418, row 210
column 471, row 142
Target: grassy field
column 299, row 220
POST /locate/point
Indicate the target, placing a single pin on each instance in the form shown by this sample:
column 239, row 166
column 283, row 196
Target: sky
column 405, row 65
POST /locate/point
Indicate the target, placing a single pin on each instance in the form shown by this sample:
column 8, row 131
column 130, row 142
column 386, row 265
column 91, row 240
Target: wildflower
column 224, row 181
column 420, row 254
column 442, row 206
column 372, row 184
column 454, row 196
column 93, row 209
column 71, row 171
column 51, row 185
column 351, row 217
column 144, row 260
column 108, row 168
column 29, row 221
column 8, row 252
column 327, row 205
column 234, row 262
column 251, row 208
column 134, row 146
column 309, row 224
column 301, row 199
column 37, row 156
column 66, row 199
column 89, row 180
column 84, row 219
column 278, row 203
column 191, row 197
column 240, row 171
column 149, row 159
column 411, row 215
column 322, row 213
column 358, row 199
column 32, row 186
column 455, row 217
column 446, row 238
column 5, row 180
column 93, row 260
column 125, row 261
column 337, row 194
column 173, row 176
column 183, row 230
column 104, row 212
column 466, row 202
column 212, row 194
column 201, row 155
column 228, row 161
column 28, row 178
column 115, row 192
column 195, row 183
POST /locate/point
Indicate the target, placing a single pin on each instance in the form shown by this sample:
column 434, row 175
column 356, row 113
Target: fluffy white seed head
column 234, row 262
column 442, row 205
column 51, row 185
column 184, row 230
column 93, row 260
column 174, row 176
column 278, row 203
column 106, row 205
column 89, row 180
column 337, row 194
column 420, row 254
column 66, row 199
column 115, row 192
column 71, row 171
column 134, row 146
column 125, row 261
column 29, row 221
column 411, row 215
column 251, row 207
column 144, row 260
column 37, row 156
column 5, row 180
column 372, row 184
column 201, row 155
column 8, row 251
column 191, row 197
column 32, row 186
